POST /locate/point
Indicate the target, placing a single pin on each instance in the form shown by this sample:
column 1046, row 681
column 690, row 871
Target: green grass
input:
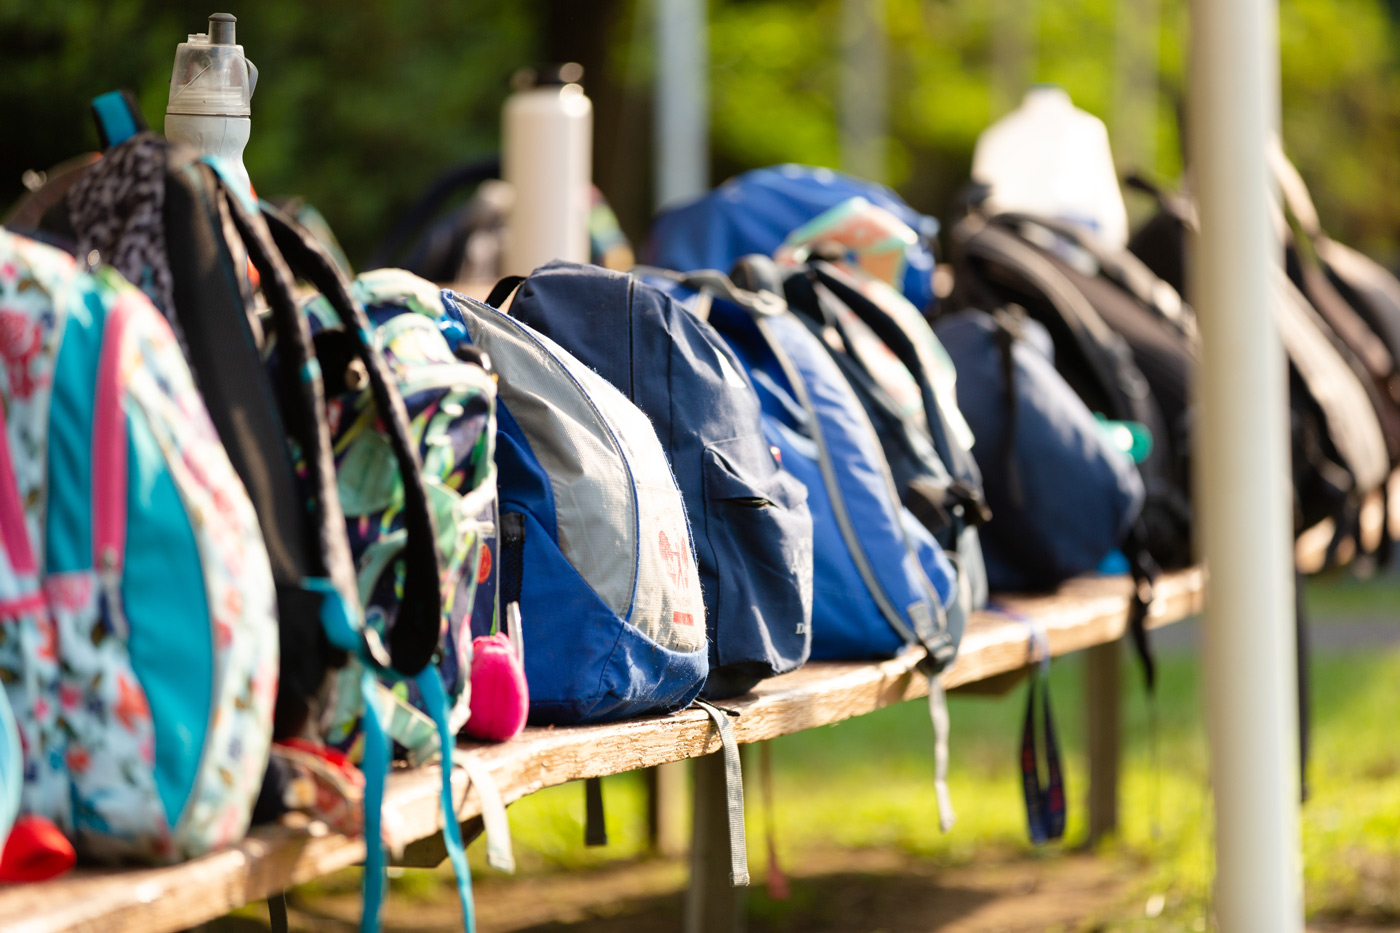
column 867, row 783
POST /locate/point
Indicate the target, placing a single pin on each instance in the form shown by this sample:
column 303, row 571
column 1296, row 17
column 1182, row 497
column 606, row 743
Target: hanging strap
column 1045, row 800
column 733, row 793
column 595, row 824
column 429, row 683
column 375, row 765
column 499, row 852
column 417, row 630
column 938, row 714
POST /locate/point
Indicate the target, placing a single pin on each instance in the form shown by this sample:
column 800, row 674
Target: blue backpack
column 753, row 532
column 755, row 212
column 1062, row 496
column 594, row 542
column 880, row 580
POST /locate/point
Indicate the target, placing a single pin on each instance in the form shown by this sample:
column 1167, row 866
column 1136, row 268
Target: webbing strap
column 1045, row 801
column 429, row 683
column 733, row 794
column 277, row 912
column 938, row 714
column 499, row 853
column 595, row 824
column 375, row 765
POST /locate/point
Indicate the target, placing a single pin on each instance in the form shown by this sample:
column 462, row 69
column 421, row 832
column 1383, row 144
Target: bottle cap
column 212, row 77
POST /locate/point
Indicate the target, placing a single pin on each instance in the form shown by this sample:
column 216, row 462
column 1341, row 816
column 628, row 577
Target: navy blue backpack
column 749, row 517
column 1062, row 496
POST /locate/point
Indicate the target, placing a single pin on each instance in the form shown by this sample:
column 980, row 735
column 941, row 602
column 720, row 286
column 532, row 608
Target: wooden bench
column 1083, row 614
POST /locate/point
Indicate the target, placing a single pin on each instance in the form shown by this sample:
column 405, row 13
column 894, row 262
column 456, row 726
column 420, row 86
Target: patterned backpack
column 451, row 405
column 138, row 628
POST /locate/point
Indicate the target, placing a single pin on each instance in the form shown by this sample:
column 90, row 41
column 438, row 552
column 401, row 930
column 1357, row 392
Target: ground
column 857, row 837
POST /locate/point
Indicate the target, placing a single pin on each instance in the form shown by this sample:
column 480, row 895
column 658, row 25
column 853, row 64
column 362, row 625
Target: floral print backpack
column 138, row 627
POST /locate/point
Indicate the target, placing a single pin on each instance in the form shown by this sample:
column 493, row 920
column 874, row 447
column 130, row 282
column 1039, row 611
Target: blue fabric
column 68, row 529
column 114, row 116
column 749, row 518
column 582, row 662
column 375, row 767
column 171, row 642
column 754, row 213
column 1078, row 495
column 847, row 622
column 11, row 768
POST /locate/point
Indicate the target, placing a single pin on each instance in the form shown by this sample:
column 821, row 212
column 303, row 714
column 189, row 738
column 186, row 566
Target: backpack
column 881, row 582
column 754, row 213
column 138, row 621
column 749, row 517
column 1061, row 495
column 1338, row 448
column 451, row 408
column 594, row 543
column 1108, row 335
column 903, row 377
column 171, row 223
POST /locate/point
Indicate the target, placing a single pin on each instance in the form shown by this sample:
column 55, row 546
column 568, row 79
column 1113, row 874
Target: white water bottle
column 211, row 91
column 547, row 158
column 1048, row 157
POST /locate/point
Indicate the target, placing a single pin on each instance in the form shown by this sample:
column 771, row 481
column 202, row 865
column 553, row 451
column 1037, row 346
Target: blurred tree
column 358, row 105
column 362, row 104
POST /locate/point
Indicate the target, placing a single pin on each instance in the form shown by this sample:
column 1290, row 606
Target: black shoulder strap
column 503, row 290
column 415, row 634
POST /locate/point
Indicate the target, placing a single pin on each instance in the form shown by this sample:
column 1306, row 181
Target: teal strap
column 375, row 766
column 733, row 794
column 435, row 698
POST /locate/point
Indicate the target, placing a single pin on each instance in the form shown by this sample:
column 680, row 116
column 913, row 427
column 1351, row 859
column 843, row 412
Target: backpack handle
column 415, row 634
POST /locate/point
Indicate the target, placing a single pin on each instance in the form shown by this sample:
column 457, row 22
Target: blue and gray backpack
column 594, row 542
column 753, row 533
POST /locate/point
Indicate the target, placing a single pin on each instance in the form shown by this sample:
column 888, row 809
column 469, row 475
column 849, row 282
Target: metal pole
column 682, row 100
column 865, row 112
column 1242, row 473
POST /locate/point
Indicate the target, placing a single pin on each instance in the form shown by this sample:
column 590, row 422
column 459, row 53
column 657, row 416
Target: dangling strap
column 499, row 854
column 938, row 714
column 375, row 765
column 734, row 794
column 277, row 912
column 429, row 683
column 595, row 825
column 1045, row 803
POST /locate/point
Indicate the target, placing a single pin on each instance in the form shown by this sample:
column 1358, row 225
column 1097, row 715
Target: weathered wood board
column 1082, row 613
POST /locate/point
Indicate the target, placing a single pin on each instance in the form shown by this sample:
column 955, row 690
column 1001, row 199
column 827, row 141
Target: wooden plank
column 1082, row 613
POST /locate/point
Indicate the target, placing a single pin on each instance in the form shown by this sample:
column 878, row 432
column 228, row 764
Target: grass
column 867, row 783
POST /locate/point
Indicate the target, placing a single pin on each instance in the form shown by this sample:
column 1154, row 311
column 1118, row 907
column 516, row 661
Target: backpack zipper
column 109, row 466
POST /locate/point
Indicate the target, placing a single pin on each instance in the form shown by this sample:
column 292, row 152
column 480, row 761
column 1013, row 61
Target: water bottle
column 211, row 89
column 1048, row 157
column 547, row 158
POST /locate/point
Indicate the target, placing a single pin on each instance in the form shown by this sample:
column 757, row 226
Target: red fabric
column 35, row 851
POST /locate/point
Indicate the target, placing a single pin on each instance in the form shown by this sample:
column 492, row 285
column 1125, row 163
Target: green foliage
column 358, row 105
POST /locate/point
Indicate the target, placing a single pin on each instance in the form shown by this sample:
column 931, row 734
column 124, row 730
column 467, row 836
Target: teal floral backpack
column 138, row 626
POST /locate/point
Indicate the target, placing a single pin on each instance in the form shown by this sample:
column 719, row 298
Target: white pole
column 682, row 100
column 1242, row 474
column 865, row 112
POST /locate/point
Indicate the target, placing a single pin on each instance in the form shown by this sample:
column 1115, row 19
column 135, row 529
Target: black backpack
column 165, row 219
column 1339, row 453
column 1127, row 352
